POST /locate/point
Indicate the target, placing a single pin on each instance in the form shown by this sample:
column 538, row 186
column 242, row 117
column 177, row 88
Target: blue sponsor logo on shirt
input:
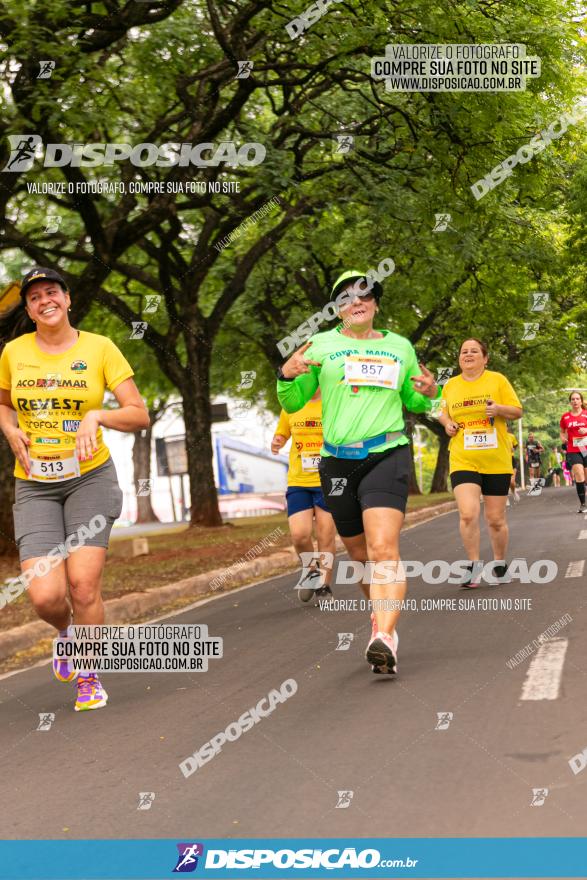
column 71, row 425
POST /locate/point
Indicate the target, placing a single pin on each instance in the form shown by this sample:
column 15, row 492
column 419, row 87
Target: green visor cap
column 348, row 277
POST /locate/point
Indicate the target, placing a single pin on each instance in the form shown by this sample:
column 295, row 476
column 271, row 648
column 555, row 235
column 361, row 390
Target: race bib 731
column 310, row 463
column 480, row 439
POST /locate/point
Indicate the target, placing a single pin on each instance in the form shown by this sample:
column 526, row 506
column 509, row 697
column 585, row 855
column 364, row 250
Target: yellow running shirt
column 51, row 394
column 513, row 443
column 479, row 446
column 305, row 429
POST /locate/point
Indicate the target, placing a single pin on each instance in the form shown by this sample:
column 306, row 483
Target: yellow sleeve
column 445, row 399
column 507, row 395
column 283, row 425
column 5, row 375
column 116, row 366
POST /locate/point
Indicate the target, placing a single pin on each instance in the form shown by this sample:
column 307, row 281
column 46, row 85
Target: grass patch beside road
column 418, row 502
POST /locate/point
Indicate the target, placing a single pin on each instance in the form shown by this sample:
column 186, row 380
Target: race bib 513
column 53, row 468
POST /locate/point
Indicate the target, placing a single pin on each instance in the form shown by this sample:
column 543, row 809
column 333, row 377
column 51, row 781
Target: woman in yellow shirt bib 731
column 476, row 407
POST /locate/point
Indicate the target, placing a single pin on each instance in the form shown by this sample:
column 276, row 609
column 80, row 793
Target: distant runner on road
column 478, row 404
column 515, row 464
column 556, row 464
column 567, row 473
column 305, row 502
column 573, row 429
column 534, row 450
column 365, row 376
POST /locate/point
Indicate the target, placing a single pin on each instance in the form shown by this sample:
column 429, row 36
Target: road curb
column 419, row 516
column 128, row 608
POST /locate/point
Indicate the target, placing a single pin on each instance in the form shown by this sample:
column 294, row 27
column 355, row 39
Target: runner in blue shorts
column 305, row 502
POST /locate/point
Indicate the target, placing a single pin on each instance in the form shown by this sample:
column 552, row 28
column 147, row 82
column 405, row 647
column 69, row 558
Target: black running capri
column 351, row 486
column 491, row 484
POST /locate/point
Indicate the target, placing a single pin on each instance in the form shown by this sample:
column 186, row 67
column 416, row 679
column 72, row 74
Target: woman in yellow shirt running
column 305, row 502
column 52, row 384
column 477, row 405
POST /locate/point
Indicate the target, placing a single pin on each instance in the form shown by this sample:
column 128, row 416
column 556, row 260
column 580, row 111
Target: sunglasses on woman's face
column 356, row 294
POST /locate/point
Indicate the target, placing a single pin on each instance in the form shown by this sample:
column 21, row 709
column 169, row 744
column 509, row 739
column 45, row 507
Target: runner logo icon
column 344, row 800
column 441, row 222
column 146, row 799
column 247, row 378
column 444, row 719
column 152, row 303
column 244, row 69
column 46, row 719
column 443, row 374
column 338, row 484
column 539, row 795
column 46, row 69
column 187, row 861
column 138, row 329
column 344, row 143
column 22, row 152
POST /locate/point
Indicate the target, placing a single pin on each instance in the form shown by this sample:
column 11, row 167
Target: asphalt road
column 345, row 730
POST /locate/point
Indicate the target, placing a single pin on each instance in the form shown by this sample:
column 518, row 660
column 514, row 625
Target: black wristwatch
column 281, row 377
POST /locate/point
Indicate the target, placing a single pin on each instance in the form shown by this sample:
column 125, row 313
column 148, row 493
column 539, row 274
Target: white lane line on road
column 582, row 534
column 545, row 671
column 575, row 569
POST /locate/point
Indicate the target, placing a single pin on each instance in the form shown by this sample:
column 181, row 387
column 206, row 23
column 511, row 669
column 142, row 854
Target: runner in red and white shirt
column 573, row 426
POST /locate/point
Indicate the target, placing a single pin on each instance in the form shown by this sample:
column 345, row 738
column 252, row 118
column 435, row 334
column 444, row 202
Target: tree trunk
column 197, row 417
column 413, row 488
column 440, row 476
column 141, row 459
column 7, row 545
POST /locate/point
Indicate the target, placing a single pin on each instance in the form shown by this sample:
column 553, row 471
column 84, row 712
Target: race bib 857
column 379, row 371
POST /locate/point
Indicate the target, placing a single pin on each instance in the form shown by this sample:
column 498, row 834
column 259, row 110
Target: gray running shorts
column 46, row 514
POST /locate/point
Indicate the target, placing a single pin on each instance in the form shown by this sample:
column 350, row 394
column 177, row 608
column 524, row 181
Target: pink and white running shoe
column 381, row 653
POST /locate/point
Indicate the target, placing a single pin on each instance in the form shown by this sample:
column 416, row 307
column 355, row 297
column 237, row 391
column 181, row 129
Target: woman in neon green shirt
column 365, row 377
